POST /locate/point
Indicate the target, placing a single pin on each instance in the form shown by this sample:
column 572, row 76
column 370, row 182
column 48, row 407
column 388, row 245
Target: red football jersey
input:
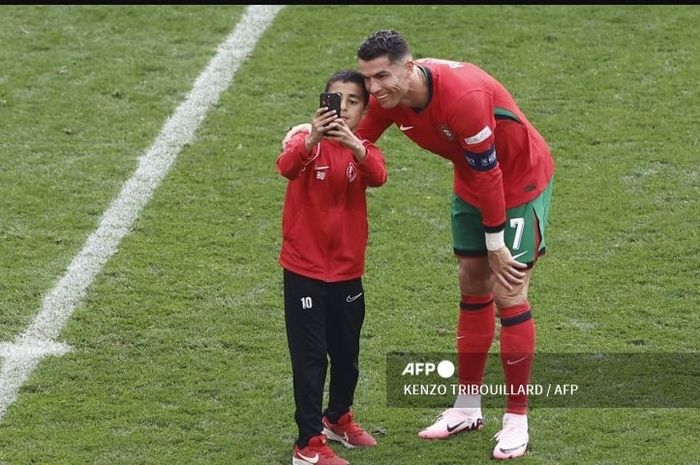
column 324, row 221
column 468, row 115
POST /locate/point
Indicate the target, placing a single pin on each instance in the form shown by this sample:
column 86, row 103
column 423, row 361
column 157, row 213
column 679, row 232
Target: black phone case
column 330, row 100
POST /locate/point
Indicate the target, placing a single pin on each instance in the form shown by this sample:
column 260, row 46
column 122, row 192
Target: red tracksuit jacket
column 324, row 221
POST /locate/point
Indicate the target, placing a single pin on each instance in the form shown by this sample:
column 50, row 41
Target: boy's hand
column 339, row 131
column 320, row 123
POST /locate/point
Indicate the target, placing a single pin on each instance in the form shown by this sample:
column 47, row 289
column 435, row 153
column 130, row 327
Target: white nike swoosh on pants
column 352, row 298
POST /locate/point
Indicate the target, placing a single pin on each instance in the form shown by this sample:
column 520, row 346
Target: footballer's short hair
column 385, row 42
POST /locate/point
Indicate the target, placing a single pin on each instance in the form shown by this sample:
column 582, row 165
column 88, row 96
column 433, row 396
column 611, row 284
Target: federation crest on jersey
column 351, row 172
column 446, row 132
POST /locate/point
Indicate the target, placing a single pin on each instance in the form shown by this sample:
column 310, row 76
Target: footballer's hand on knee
column 506, row 270
column 306, row 127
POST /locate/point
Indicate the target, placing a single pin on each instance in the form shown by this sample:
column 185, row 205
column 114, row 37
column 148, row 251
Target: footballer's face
column 387, row 81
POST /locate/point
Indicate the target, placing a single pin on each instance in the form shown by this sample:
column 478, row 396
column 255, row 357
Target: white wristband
column 494, row 241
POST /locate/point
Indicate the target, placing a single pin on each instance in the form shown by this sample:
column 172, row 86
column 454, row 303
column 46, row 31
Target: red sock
column 517, row 351
column 475, row 328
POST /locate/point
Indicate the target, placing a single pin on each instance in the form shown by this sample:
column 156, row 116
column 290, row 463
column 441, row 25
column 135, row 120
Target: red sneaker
column 316, row 452
column 347, row 432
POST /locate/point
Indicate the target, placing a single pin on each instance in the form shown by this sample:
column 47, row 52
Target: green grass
column 180, row 354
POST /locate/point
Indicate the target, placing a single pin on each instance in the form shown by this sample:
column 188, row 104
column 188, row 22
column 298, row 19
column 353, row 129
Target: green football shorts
column 524, row 233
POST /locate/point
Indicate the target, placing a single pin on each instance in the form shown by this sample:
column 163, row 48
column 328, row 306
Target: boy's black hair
column 349, row 75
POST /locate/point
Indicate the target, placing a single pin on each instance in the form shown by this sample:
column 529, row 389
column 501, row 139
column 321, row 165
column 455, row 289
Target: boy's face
column 352, row 107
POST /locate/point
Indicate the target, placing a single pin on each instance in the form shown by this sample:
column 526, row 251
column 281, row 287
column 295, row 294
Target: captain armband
column 483, row 161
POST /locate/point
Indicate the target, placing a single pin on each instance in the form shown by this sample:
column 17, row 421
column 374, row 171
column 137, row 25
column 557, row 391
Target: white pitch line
column 36, row 342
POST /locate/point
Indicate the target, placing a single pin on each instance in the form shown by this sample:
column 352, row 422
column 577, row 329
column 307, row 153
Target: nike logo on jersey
column 352, row 298
column 405, row 128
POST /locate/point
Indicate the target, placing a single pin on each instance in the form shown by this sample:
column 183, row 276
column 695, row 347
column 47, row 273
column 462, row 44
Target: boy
column 324, row 229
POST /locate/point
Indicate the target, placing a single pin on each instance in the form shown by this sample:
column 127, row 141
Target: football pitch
column 141, row 311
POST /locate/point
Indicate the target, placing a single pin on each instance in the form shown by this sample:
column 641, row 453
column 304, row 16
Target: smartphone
column 331, row 100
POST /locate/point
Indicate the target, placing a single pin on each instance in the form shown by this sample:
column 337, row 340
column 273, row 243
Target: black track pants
column 323, row 322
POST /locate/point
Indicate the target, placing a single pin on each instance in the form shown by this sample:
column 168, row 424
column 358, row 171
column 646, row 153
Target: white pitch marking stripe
column 33, row 349
column 20, row 358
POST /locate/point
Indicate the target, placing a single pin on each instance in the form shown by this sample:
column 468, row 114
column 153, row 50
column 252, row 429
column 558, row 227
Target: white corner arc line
column 37, row 341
